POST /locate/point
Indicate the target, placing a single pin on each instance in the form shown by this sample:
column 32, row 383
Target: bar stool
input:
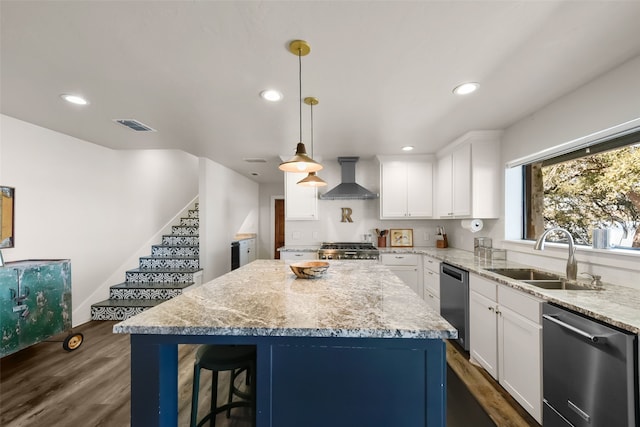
column 217, row 358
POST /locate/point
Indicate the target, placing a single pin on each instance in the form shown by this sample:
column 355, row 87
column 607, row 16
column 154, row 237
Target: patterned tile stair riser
column 161, row 276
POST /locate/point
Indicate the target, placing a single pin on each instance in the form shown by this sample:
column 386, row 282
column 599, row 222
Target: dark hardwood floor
column 45, row 385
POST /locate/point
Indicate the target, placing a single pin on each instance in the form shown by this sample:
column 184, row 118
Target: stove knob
column 329, row 257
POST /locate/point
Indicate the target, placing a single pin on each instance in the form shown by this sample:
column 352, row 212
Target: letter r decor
column 346, row 215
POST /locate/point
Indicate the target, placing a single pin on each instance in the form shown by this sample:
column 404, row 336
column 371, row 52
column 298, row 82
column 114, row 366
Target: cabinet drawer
column 399, row 259
column 431, row 264
column 485, row 287
column 432, row 282
column 518, row 302
column 298, row 256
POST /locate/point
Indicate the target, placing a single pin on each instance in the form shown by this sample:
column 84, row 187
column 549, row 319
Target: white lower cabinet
column 431, row 281
column 298, row 256
column 247, row 251
column 506, row 339
column 407, row 267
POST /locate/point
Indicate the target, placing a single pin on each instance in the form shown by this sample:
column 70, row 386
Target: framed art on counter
column 401, row 237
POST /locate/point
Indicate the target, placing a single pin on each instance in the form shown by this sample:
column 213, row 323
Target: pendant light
column 300, row 162
column 312, row 180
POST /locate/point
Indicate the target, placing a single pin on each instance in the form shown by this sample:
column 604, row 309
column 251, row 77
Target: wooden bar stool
column 217, row 358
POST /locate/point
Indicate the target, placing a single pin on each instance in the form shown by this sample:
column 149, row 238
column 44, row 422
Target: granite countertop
column 264, row 298
column 613, row 304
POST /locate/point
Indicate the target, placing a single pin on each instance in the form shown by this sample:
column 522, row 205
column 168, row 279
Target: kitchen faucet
column 572, row 264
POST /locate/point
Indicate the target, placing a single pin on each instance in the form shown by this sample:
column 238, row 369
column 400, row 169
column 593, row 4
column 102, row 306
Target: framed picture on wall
column 401, row 237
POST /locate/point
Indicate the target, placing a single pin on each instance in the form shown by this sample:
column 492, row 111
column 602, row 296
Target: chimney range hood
column 348, row 189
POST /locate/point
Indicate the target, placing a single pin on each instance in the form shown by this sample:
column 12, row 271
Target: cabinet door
column 483, row 330
column 393, row 199
column 420, row 189
column 300, row 203
column 461, row 181
column 10, row 324
column 520, row 349
column 444, row 186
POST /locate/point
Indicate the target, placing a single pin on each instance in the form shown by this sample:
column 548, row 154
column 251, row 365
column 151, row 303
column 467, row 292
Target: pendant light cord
column 311, row 129
column 300, row 88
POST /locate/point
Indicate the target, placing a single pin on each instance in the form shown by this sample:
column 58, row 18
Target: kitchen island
column 356, row 347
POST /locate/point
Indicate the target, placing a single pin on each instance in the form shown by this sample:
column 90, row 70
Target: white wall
column 229, row 204
column 606, row 102
column 92, row 205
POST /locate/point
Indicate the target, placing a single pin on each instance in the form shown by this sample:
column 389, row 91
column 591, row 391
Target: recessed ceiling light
column 74, row 99
column 271, row 95
column 407, row 148
column 466, row 88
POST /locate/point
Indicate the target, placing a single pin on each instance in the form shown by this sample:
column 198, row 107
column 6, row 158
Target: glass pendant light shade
column 300, row 162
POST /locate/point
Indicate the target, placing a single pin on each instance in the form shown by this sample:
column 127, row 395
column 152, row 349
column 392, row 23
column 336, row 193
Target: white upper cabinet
column 300, row 203
column 468, row 182
column 406, row 187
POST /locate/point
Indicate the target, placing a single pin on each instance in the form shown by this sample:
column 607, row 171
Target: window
column 596, row 187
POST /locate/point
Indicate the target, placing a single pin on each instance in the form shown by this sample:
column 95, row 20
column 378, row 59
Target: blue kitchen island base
column 309, row 382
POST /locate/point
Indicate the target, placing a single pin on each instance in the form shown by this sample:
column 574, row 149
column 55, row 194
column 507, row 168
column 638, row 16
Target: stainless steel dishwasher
column 590, row 373
column 454, row 300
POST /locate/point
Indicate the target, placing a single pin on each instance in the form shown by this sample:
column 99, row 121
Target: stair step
column 181, row 275
column 180, row 240
column 174, row 262
column 121, row 309
column 193, row 213
column 147, row 290
column 177, row 250
column 190, row 222
column 184, row 230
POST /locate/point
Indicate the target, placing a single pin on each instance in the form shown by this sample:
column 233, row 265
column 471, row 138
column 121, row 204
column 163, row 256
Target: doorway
column 278, row 227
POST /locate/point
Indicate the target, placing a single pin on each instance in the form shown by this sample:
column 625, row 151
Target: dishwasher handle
column 452, row 272
column 593, row 338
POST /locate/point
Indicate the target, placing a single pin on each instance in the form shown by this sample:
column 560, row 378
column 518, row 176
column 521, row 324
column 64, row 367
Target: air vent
column 134, row 125
column 255, row 160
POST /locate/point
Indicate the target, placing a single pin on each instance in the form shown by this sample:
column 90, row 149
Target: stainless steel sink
column 538, row 278
column 557, row 284
column 524, row 274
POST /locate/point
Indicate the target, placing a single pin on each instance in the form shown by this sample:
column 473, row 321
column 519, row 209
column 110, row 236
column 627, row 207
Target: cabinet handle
column 399, row 257
column 297, row 255
column 490, row 308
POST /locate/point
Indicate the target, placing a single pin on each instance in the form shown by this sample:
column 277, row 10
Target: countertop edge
column 291, row 333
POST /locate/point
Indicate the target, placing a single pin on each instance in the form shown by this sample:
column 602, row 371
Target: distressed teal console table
column 35, row 302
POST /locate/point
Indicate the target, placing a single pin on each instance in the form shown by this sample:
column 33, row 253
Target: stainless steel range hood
column 348, row 189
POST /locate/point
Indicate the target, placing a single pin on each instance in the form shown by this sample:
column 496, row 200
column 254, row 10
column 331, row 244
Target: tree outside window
column 592, row 191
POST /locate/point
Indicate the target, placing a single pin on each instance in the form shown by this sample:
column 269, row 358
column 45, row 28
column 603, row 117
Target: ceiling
column 383, row 71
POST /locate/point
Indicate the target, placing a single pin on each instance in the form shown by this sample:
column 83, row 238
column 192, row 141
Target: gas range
column 348, row 250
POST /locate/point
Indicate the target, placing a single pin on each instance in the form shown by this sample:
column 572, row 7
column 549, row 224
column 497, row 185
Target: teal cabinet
column 35, row 302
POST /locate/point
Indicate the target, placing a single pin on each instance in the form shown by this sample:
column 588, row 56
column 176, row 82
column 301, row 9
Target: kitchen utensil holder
column 382, row 241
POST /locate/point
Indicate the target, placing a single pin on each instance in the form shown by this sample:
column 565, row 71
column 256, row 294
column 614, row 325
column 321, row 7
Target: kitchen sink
column 525, row 274
column 557, row 284
column 540, row 279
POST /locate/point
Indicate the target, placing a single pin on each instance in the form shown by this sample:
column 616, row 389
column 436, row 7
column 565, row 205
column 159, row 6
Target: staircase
column 161, row 276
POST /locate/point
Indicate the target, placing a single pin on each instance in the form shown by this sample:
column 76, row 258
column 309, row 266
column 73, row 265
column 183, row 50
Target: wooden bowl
column 309, row 269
